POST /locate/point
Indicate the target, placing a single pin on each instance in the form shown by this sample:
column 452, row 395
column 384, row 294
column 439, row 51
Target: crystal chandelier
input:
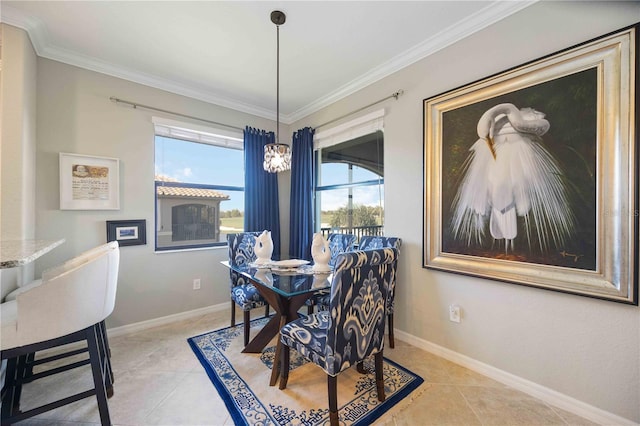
column 277, row 156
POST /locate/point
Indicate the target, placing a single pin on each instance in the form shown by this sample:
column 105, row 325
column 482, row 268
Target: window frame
column 344, row 133
column 192, row 133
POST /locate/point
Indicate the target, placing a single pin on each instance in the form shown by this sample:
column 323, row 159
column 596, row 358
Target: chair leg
column 233, row 313
column 8, row 388
column 103, row 331
column 332, row 382
column 22, row 370
column 392, row 340
column 30, row 358
column 266, row 311
column 98, row 378
column 103, row 345
column 284, row 367
column 379, row 376
column 309, row 309
column 247, row 326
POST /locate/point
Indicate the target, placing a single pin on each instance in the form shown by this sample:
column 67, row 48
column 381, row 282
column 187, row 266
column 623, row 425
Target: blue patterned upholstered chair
column 353, row 327
column 243, row 293
column 338, row 243
column 370, row 242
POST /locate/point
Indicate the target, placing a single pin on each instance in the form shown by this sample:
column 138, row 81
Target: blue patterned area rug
column 242, row 380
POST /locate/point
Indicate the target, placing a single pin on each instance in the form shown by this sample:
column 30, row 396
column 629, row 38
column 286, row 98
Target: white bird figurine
column 320, row 252
column 263, row 248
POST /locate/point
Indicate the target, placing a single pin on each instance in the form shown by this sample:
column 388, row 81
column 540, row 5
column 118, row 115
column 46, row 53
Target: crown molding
column 39, row 36
column 474, row 23
column 480, row 20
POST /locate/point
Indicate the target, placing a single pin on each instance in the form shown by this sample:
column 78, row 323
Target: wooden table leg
column 286, row 311
column 292, row 305
column 264, row 336
column 275, row 370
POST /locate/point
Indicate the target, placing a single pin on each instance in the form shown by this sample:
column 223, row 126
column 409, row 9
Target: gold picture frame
column 530, row 175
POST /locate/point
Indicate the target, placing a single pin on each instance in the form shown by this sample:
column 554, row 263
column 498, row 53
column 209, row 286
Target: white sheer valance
column 198, row 133
column 360, row 126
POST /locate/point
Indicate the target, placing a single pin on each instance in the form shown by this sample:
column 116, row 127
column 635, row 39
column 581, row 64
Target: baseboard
column 143, row 325
column 545, row 394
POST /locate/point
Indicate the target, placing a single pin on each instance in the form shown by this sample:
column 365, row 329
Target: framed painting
column 530, row 175
column 89, row 182
column 127, row 232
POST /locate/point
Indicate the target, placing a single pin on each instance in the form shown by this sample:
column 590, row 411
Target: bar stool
column 70, row 305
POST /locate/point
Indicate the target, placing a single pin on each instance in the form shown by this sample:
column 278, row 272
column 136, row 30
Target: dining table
column 286, row 285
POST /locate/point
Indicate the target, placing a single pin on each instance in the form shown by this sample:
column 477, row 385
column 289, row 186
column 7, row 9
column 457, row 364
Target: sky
column 207, row 164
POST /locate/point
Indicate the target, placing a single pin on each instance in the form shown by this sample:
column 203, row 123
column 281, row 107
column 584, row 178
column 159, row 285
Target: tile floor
column 160, row 382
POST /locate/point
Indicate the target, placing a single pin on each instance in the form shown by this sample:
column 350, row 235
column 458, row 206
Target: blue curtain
column 261, row 209
column 302, row 188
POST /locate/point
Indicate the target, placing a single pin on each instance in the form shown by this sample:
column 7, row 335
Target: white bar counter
column 14, row 253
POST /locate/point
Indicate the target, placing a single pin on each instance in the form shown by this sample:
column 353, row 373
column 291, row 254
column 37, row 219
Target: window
column 199, row 185
column 350, row 181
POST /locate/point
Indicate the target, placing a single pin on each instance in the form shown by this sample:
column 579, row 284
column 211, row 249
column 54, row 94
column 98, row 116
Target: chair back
column 362, row 282
column 340, row 243
column 241, row 253
column 370, row 242
column 72, row 297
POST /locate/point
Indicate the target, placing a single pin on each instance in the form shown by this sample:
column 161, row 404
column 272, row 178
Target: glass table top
column 287, row 282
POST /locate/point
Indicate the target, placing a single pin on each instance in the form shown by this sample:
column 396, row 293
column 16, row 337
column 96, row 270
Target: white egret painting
column 510, row 174
column 520, row 183
column 531, row 174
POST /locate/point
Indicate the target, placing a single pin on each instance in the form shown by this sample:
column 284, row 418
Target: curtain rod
column 395, row 95
column 137, row 105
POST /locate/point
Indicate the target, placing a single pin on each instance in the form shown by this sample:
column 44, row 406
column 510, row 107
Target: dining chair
column 371, row 242
column 70, row 305
column 338, row 243
column 243, row 293
column 353, row 327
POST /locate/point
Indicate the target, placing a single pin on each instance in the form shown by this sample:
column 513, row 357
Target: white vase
column 321, row 253
column 263, row 248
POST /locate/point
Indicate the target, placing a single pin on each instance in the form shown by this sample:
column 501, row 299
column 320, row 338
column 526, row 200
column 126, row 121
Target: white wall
column 18, row 145
column 75, row 115
column 585, row 348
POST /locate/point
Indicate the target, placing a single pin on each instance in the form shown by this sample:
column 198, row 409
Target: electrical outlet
column 454, row 313
column 196, row 284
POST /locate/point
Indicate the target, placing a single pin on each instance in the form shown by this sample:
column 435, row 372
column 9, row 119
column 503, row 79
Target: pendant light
column 277, row 156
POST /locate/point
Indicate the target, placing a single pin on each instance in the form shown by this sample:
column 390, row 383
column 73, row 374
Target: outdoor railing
column 358, row 231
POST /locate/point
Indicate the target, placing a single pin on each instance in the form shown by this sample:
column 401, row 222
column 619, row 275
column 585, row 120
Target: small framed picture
column 127, row 232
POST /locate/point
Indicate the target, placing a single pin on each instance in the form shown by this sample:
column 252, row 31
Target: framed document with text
column 89, row 183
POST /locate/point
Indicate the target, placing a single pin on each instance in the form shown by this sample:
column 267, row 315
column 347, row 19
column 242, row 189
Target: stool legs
column 18, row 367
column 98, row 367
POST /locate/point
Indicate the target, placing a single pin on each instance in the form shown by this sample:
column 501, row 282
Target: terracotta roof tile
column 171, row 191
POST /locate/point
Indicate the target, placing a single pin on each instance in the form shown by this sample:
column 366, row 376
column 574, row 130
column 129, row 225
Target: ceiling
column 224, row 52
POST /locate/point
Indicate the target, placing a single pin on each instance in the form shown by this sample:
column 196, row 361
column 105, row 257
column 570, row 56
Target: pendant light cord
column 277, row 83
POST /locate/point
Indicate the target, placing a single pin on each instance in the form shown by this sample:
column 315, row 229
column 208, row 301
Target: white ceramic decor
column 263, row 248
column 321, row 253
